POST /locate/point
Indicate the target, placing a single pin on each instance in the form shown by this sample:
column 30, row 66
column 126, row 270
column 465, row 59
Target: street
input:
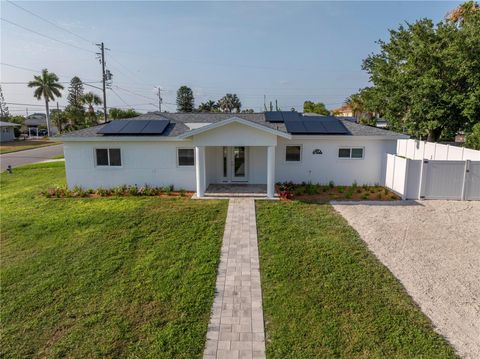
column 21, row 158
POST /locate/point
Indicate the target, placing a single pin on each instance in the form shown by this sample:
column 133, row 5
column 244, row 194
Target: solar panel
column 273, row 116
column 155, row 127
column 291, row 116
column 334, row 126
column 134, row 127
column 314, row 127
column 112, row 127
column 295, row 127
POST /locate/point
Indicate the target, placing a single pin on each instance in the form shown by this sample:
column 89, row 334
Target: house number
column 317, row 151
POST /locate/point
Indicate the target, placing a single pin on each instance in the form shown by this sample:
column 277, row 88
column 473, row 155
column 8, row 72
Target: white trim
column 350, row 137
column 285, row 153
column 234, row 120
column 108, row 157
column 178, row 161
column 351, row 148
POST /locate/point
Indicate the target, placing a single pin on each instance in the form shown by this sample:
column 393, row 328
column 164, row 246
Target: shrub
column 354, row 184
column 341, row 189
column 365, row 196
column 385, row 190
column 133, row 190
column 310, row 188
column 331, row 184
column 359, row 190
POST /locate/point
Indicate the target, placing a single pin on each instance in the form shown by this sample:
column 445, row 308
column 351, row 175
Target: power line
column 134, row 93
column 46, row 36
column 120, row 97
column 50, row 22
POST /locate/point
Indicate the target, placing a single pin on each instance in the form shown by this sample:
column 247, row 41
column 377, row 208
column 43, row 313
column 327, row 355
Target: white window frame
column 108, row 157
column 178, row 157
column 351, row 148
column 285, row 153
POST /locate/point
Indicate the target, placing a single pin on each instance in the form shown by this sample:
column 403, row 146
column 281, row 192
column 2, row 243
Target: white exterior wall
column 155, row 163
column 152, row 163
column 328, row 167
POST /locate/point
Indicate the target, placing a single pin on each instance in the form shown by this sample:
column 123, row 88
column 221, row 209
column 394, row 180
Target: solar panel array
column 281, row 116
column 135, row 127
column 317, row 125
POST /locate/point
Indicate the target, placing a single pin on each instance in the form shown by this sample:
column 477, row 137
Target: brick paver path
column 236, row 324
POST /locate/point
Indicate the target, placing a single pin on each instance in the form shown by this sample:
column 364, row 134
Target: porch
column 236, row 190
column 235, row 171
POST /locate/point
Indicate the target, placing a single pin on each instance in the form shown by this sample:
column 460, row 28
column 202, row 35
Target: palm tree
column 230, row 102
column 208, row 106
column 91, row 99
column 46, row 86
column 355, row 102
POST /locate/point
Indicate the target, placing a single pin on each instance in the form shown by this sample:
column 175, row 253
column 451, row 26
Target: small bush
column 331, row 184
column 385, row 190
column 365, row 196
column 310, row 188
column 354, row 184
column 359, row 190
column 341, row 189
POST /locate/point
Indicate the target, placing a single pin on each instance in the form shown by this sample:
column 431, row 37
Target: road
column 26, row 157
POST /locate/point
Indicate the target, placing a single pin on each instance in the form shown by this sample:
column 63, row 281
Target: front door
column 235, row 164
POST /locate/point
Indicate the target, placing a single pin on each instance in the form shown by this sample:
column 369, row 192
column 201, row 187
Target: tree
column 230, row 102
column 208, row 106
column 248, row 110
column 117, row 113
column 312, row 107
column 60, row 119
column 4, row 113
column 473, row 139
column 91, row 99
column 47, row 86
column 427, row 77
column 463, row 11
column 75, row 93
column 185, row 99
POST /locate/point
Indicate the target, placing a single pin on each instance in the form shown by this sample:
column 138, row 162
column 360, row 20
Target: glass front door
column 239, row 164
column 234, row 164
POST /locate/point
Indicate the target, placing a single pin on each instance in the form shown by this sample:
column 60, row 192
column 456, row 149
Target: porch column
column 200, row 170
column 270, row 171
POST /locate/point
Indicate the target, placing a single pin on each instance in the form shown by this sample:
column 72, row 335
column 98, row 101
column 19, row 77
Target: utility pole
column 159, row 100
column 104, row 79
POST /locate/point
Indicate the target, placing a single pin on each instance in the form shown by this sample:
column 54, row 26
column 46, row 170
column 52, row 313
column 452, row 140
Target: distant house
column 7, row 131
column 382, row 123
column 37, row 121
column 345, row 111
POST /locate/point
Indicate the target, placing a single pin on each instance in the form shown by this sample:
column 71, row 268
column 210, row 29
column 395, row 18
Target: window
column 108, row 157
column 356, row 153
column 293, row 153
column 186, row 157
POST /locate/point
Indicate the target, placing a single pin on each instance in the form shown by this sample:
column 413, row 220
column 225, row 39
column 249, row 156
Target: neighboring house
column 345, row 111
column 382, row 123
column 193, row 150
column 37, row 121
column 460, row 137
column 7, row 131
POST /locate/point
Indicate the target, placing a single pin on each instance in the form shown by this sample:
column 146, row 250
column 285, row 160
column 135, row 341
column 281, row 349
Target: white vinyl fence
column 433, row 171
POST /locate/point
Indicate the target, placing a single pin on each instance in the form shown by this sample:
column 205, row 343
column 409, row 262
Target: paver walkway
column 236, row 327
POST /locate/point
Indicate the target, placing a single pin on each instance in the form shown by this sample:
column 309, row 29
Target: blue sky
column 289, row 51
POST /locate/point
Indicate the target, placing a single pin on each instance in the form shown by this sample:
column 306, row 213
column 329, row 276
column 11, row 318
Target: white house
column 7, row 131
column 194, row 150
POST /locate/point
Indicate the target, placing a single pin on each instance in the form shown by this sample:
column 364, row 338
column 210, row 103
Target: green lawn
column 22, row 145
column 107, row 277
column 326, row 296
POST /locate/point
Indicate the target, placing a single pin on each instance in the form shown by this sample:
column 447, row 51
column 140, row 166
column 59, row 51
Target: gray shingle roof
column 178, row 125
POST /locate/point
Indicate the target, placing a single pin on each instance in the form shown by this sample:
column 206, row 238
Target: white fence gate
column 433, row 171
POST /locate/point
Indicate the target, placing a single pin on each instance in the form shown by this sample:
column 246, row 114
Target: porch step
column 235, row 194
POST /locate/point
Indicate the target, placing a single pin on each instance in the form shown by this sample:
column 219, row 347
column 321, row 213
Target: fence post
column 434, row 151
column 420, row 180
column 465, row 175
column 405, row 180
column 448, row 151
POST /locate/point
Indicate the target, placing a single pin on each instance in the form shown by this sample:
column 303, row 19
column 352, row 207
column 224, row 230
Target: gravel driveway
column 433, row 248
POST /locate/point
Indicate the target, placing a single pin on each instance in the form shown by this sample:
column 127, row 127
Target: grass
column 325, row 295
column 18, row 145
column 106, row 277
